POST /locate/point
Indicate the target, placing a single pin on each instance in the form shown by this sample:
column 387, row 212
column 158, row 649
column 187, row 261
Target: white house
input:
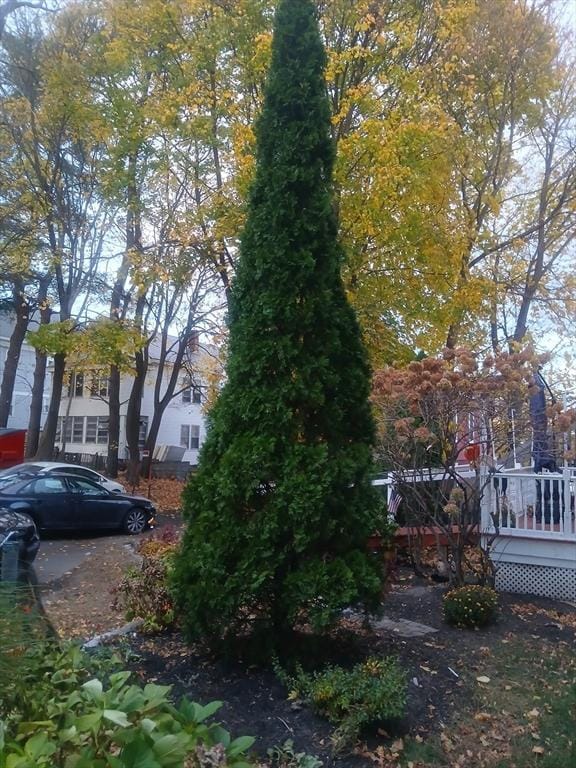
column 22, row 394
column 83, row 422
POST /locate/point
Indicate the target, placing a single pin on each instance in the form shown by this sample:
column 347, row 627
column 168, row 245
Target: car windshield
column 86, row 487
column 10, row 486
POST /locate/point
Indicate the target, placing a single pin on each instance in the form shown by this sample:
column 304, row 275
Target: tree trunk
column 39, row 381
column 36, row 404
column 118, row 302
column 45, row 450
column 13, row 355
column 161, row 401
column 133, row 413
column 152, row 437
column 113, row 421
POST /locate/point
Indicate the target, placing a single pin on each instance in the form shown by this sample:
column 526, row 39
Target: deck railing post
column 486, row 520
column 566, row 522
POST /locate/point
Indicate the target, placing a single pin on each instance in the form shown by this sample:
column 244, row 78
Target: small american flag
column 394, row 501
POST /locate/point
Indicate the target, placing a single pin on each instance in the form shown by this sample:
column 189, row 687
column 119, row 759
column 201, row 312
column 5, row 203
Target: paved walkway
column 403, row 627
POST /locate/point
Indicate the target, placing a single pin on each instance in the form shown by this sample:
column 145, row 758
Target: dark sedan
column 71, row 503
column 18, row 528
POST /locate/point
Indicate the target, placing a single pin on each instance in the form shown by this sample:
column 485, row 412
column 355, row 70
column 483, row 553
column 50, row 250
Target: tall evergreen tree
column 281, row 506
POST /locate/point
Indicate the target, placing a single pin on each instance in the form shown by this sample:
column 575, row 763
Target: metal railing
column 522, row 503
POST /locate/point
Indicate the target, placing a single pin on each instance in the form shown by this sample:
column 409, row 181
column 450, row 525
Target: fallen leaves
column 558, row 619
column 165, row 492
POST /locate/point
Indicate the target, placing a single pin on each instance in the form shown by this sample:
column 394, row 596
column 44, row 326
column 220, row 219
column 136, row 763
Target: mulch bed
column 442, row 669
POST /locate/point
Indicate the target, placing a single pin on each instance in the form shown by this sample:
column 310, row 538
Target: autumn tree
column 21, row 247
column 432, row 416
column 55, row 134
column 531, row 257
column 493, row 76
column 279, row 511
column 178, row 307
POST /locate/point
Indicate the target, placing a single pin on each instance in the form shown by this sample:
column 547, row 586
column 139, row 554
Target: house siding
column 22, row 395
column 176, row 414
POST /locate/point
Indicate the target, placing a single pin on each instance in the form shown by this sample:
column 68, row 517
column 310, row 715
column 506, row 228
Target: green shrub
column 143, row 593
column 285, row 756
column 42, row 666
column 369, row 692
column 161, row 543
column 470, row 606
column 281, row 506
column 70, row 721
column 22, row 625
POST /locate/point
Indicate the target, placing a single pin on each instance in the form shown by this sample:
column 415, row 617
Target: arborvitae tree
column 281, row 506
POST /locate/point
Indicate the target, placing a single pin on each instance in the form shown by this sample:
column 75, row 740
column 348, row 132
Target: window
column 99, row 385
column 190, row 436
column 50, row 485
column 66, row 429
column 76, row 386
column 86, row 488
column 97, row 429
column 91, row 428
column 70, row 429
column 192, row 395
column 85, row 474
column 77, row 429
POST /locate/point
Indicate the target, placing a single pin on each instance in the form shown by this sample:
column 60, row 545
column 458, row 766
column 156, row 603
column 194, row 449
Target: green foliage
column 109, row 342
column 470, row 606
column 68, row 720
column 285, row 756
column 22, row 625
column 281, row 506
column 143, row 593
column 370, row 692
column 54, row 338
column 42, row 667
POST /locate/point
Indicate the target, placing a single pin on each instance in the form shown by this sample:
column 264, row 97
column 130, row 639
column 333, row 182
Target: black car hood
column 136, row 499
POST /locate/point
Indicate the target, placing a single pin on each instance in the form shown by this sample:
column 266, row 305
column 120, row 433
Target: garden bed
column 452, row 718
column 443, row 670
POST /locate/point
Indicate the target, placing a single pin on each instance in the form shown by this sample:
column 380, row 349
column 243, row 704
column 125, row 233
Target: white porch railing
column 522, row 503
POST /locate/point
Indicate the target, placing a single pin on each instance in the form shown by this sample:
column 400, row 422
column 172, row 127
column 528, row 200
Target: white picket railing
column 522, row 503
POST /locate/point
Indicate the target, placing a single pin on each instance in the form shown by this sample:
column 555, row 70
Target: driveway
column 58, row 558
column 76, row 576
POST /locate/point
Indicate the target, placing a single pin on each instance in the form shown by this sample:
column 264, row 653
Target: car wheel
column 135, row 521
